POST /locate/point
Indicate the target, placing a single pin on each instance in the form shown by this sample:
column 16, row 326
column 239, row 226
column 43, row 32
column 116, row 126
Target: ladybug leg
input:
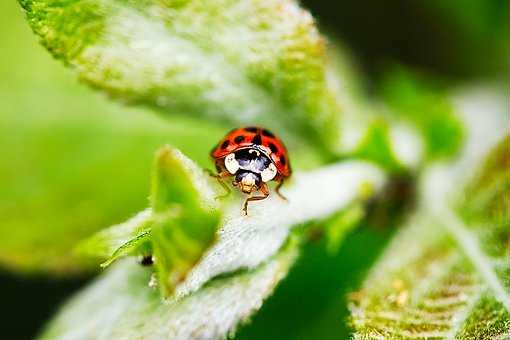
column 277, row 189
column 220, row 178
column 264, row 190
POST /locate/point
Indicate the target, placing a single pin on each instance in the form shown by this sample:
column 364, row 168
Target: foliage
column 209, row 65
column 178, row 227
column 134, row 310
column 72, row 162
column 451, row 283
column 423, row 103
column 241, row 241
column 179, row 58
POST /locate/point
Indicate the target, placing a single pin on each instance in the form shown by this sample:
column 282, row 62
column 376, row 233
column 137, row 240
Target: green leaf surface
column 185, row 215
column 428, row 107
column 241, row 62
column 119, row 240
column 176, row 230
column 179, row 58
column 439, row 277
column 181, row 241
column 247, row 241
column 121, row 305
column 487, row 197
column 72, row 162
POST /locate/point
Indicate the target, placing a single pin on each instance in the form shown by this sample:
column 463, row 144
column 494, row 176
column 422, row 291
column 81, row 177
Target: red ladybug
column 253, row 156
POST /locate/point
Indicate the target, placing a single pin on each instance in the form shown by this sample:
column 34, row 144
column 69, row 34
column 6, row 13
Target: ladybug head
column 248, row 181
column 251, row 168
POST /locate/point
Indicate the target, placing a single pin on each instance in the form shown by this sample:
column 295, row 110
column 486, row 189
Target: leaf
column 247, row 241
column 119, row 240
column 423, row 287
column 72, row 162
column 376, row 146
column 486, row 199
column 120, row 305
column 439, row 277
column 180, row 239
column 179, row 57
column 178, row 227
column 338, row 226
column 185, row 216
column 422, row 102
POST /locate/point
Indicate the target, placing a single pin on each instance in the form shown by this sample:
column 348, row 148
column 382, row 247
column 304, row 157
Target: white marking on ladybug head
column 231, row 163
column 257, row 153
column 269, row 173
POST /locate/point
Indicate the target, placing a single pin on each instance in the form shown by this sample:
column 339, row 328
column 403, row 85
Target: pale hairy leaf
column 235, row 61
column 440, row 277
column 121, row 305
column 118, row 240
column 241, row 241
column 247, row 241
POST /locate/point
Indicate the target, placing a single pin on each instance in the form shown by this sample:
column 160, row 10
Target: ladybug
column 253, row 156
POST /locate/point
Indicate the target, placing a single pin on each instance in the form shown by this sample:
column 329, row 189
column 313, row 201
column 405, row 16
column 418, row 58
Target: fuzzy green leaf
column 120, row 240
column 241, row 62
column 231, row 278
column 487, row 198
column 178, row 240
column 179, row 58
column 185, row 216
column 440, row 277
column 121, row 305
column 180, row 225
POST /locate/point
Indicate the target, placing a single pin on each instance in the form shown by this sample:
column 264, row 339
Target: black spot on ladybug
column 267, row 133
column 283, row 160
column 273, row 147
column 239, row 139
column 225, row 144
column 257, row 140
column 251, row 129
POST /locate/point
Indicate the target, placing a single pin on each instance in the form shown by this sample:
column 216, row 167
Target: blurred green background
column 60, row 139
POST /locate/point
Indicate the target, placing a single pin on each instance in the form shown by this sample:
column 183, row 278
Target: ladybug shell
column 255, row 137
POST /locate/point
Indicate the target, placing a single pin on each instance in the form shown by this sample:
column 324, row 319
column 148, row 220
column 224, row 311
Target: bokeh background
column 60, row 139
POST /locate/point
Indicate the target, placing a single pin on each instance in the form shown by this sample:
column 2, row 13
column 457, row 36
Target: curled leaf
column 177, row 229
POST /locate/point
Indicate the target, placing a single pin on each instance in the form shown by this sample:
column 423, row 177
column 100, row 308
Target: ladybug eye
column 269, row 173
column 231, row 163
